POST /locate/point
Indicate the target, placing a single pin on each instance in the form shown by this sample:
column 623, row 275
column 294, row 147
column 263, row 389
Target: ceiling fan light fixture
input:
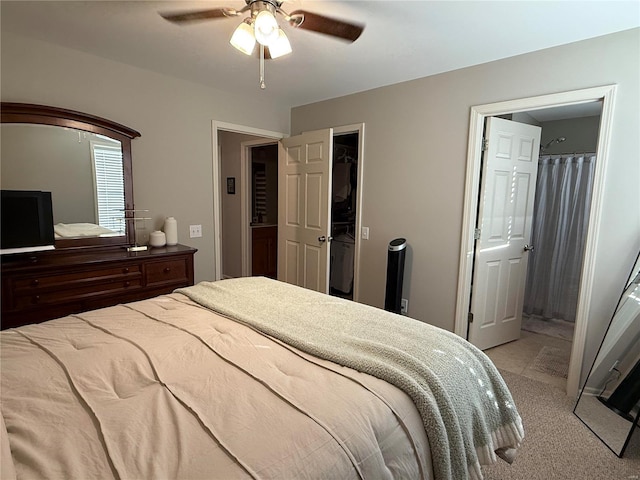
column 243, row 38
column 280, row 46
column 262, row 27
column 266, row 28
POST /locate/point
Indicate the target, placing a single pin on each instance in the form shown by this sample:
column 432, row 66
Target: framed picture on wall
column 231, row 185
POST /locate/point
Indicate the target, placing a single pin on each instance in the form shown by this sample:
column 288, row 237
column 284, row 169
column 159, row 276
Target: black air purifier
column 395, row 275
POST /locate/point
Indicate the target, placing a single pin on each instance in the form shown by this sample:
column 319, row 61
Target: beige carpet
column 557, row 445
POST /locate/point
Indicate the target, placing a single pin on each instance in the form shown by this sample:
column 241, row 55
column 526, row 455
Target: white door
column 304, row 182
column 505, row 216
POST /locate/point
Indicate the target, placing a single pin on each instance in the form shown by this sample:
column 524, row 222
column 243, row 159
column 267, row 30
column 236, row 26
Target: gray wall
column 172, row 160
column 581, row 134
column 415, row 159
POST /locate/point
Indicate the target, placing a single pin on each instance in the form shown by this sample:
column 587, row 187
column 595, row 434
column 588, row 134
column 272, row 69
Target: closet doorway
column 344, row 195
column 312, row 211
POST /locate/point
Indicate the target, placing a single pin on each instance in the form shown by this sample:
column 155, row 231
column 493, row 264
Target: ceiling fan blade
column 328, row 26
column 210, row 14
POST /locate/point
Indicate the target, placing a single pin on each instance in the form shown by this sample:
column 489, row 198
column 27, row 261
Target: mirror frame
column 633, row 274
column 61, row 117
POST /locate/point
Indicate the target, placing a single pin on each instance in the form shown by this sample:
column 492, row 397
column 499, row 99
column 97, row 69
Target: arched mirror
column 609, row 403
column 83, row 160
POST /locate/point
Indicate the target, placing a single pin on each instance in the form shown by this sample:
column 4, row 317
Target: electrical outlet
column 195, row 231
column 404, row 306
column 365, row 233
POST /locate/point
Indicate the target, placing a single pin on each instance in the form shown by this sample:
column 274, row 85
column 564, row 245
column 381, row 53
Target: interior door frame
column 217, row 126
column 605, row 94
column 359, row 129
column 246, row 246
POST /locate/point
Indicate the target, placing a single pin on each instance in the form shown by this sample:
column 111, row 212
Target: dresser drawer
column 167, row 272
column 76, row 280
column 77, row 293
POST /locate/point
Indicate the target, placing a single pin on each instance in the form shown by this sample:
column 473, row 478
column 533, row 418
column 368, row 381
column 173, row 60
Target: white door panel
column 315, row 190
column 292, row 204
column 305, row 171
column 505, row 214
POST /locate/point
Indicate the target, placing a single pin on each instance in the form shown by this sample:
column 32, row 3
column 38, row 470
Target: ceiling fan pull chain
column 262, row 84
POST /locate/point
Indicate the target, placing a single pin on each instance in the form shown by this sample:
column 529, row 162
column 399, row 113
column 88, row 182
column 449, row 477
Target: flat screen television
column 26, row 224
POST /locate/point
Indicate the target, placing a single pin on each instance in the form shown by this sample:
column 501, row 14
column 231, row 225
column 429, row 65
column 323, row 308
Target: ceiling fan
column 262, row 27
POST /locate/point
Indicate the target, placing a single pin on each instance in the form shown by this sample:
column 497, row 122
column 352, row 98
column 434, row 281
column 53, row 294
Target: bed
column 75, row 230
column 249, row 378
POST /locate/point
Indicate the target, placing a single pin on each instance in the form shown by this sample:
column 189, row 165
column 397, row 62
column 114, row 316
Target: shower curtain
column 561, row 216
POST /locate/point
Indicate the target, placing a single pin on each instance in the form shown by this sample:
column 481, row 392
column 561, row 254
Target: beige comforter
column 166, row 389
column 466, row 408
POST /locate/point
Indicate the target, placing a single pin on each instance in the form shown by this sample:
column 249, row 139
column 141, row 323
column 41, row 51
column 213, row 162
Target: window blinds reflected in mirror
column 108, row 176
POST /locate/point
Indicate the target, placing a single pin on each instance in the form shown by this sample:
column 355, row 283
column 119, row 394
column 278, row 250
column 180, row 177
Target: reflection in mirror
column 82, row 170
column 85, row 162
column 609, row 403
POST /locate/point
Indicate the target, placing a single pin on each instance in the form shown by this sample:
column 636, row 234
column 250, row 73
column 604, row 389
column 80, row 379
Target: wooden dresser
column 46, row 285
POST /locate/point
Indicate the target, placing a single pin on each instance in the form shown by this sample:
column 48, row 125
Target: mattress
column 171, row 388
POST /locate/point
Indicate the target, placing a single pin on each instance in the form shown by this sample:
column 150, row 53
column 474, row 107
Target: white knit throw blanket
column 467, row 410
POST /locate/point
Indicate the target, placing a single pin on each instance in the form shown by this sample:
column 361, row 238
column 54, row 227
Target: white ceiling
column 402, row 40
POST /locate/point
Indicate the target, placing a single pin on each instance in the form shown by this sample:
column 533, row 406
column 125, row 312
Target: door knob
column 322, row 239
column 528, row 248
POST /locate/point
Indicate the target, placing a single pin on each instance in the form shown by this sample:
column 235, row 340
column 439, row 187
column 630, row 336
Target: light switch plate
column 365, row 233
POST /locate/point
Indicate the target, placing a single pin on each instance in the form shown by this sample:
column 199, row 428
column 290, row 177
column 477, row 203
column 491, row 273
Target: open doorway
column 478, row 115
column 566, row 168
column 261, row 216
column 344, row 206
column 230, row 239
column 565, row 171
column 320, row 207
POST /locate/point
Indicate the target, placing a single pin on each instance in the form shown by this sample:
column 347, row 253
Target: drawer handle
column 36, row 299
column 126, row 284
column 167, row 269
column 35, row 282
column 125, row 270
